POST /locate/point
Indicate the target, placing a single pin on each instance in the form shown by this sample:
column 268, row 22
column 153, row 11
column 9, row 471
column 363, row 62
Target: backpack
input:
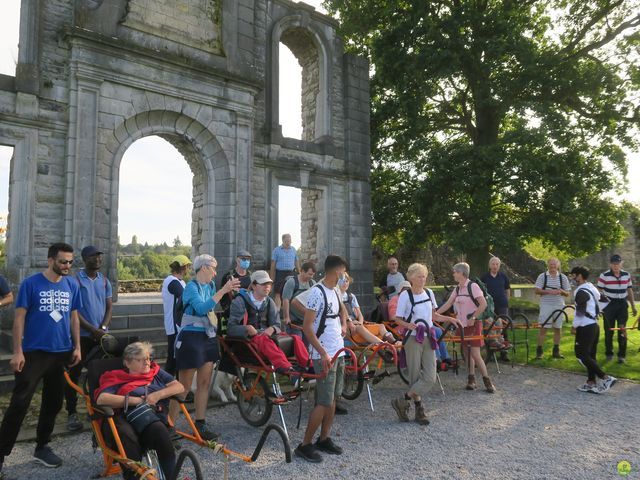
column 414, row 303
column 544, row 286
column 348, row 304
column 296, row 285
column 587, row 314
column 325, row 312
column 489, row 312
column 251, row 310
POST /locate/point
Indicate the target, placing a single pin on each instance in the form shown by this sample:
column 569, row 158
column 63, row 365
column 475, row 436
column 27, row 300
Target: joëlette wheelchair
column 370, row 362
column 114, row 455
column 253, row 372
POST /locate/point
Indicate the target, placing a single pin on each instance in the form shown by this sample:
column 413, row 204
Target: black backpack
column 296, row 285
column 414, row 303
column 325, row 312
column 546, row 276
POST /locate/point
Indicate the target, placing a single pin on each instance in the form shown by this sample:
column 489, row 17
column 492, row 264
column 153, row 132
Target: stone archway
column 211, row 174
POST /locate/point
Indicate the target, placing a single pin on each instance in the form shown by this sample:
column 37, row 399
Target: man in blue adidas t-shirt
column 46, row 337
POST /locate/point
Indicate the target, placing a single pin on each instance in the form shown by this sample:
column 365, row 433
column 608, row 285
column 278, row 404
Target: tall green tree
column 495, row 122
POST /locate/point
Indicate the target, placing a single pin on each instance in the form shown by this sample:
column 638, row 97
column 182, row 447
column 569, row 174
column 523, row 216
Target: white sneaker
column 607, row 383
column 589, row 388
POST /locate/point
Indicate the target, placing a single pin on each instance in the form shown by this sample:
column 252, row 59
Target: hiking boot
column 46, row 457
column 401, row 406
column 539, row 353
column 471, row 382
column 327, row 446
column 421, row 415
column 556, row 352
column 609, row 358
column 488, row 385
column 308, row 453
column 622, row 360
column 73, row 423
column 206, row 432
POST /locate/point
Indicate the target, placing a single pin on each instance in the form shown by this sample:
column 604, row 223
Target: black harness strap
column 325, row 312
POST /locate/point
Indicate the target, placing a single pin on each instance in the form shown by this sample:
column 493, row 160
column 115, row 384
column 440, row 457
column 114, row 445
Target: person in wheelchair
column 358, row 332
column 141, row 381
column 254, row 316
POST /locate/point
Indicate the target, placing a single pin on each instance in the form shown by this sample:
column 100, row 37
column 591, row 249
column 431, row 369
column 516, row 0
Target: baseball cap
column 90, row 251
column 615, row 258
column 260, row 277
column 243, row 253
column 181, row 260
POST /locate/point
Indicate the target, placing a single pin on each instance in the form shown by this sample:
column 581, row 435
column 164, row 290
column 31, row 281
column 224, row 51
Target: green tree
column 497, row 122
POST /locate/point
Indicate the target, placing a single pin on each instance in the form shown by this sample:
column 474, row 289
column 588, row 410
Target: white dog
column 222, row 389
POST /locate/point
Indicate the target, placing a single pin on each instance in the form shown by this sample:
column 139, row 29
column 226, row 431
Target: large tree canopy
column 495, row 122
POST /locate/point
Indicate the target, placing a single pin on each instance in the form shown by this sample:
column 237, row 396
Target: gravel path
column 537, row 426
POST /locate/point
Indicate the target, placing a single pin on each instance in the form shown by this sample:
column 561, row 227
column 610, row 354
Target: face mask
column 244, row 264
column 342, row 281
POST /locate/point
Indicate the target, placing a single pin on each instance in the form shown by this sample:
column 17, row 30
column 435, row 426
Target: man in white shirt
column 325, row 325
column 552, row 286
column 586, row 330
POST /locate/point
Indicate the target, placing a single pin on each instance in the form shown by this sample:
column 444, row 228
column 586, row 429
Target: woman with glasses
column 141, row 380
column 196, row 345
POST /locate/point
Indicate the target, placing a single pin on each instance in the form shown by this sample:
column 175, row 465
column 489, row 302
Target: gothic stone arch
column 206, row 159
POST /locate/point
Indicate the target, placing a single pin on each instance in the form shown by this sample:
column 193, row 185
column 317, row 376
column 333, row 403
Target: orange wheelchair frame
column 116, row 459
column 356, row 378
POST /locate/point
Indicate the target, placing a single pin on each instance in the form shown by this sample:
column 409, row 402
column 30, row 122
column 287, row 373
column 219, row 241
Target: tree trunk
column 478, row 260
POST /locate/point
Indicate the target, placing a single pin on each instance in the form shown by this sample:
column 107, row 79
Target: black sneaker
column 206, row 432
column 308, row 453
column 327, row 446
column 340, row 410
column 73, row 423
column 46, row 457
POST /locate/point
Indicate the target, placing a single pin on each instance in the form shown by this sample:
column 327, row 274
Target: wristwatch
column 104, row 328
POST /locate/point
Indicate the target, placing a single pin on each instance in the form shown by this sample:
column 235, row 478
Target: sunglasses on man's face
column 65, row 262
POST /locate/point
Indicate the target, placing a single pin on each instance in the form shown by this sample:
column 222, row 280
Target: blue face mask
column 341, row 281
column 244, row 264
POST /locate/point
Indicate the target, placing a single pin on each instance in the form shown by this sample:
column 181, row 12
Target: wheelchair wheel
column 188, row 466
column 353, row 380
column 150, row 459
column 256, row 410
column 403, row 373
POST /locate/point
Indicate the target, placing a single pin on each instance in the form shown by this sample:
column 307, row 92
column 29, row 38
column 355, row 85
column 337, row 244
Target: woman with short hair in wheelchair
column 140, row 384
column 358, row 332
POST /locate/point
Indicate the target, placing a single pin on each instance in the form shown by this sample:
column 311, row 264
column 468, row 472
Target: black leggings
column 154, row 437
column 586, row 347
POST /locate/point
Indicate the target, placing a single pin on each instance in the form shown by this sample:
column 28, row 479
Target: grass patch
column 630, row 370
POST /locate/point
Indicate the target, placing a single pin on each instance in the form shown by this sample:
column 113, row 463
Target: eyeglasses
column 143, row 359
column 65, row 262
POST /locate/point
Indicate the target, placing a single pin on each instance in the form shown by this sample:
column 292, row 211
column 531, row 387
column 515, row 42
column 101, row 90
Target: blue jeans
column 441, row 352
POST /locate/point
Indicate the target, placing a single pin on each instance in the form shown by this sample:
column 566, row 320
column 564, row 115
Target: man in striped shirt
column 615, row 285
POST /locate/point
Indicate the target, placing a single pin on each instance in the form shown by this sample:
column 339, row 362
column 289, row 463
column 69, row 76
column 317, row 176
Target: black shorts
column 194, row 349
column 281, row 278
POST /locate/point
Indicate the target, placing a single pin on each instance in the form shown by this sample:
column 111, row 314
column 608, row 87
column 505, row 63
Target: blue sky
column 152, row 167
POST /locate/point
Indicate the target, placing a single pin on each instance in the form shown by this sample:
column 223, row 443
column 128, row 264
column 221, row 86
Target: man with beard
column 46, row 336
column 94, row 316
